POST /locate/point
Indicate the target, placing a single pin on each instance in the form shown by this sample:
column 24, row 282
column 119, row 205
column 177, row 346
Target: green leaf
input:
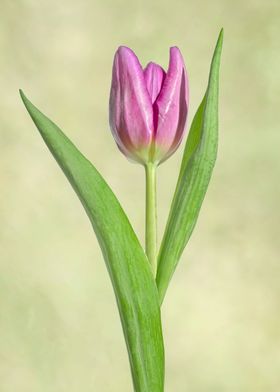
column 129, row 270
column 195, row 173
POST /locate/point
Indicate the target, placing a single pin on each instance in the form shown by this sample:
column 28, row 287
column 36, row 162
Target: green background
column 59, row 326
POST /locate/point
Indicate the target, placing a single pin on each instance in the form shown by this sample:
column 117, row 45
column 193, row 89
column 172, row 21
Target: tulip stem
column 151, row 216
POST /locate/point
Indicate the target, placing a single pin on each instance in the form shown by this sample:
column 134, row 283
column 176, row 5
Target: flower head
column 148, row 107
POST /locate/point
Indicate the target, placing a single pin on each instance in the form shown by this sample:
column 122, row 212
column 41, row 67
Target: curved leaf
column 129, row 270
column 195, row 173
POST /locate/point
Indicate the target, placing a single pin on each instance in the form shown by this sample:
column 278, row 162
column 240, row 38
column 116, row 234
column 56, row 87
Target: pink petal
column 172, row 105
column 131, row 113
column 154, row 76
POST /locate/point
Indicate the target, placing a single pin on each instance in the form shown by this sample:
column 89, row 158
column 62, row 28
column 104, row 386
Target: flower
column 148, row 107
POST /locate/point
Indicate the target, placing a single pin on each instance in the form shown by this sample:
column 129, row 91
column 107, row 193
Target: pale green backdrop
column 59, row 327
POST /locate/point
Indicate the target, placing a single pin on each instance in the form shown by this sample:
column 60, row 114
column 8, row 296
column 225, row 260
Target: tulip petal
column 172, row 106
column 131, row 112
column 154, row 76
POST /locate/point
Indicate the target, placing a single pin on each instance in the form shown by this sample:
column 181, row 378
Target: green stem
column 151, row 216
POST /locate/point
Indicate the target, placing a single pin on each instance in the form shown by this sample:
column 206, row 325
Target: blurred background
column 59, row 326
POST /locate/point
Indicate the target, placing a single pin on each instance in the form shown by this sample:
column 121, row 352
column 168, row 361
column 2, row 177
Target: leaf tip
column 220, row 38
column 218, row 49
column 23, row 97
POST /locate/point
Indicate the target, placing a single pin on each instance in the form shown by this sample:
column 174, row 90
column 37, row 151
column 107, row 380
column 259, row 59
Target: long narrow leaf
column 195, row 173
column 130, row 273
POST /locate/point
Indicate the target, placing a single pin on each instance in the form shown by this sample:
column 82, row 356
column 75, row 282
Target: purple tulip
column 148, row 108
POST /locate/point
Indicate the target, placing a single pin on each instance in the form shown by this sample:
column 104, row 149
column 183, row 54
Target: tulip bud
column 148, row 108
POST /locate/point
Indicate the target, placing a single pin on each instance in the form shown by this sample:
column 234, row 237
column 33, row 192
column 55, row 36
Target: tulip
column 148, row 111
column 148, row 107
